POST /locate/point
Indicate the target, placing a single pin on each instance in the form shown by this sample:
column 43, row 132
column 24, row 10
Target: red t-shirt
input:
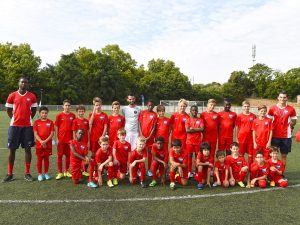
column 135, row 155
column 261, row 170
column 244, row 126
column 211, row 122
column 100, row 120
column 278, row 165
column 163, row 128
column 221, row 168
column 81, row 149
column 236, row 164
column 81, row 124
column 162, row 154
column 64, row 122
column 204, row 159
column 281, row 119
column 178, row 157
column 227, row 123
column 21, row 105
column 147, row 122
column 262, row 129
column 43, row 129
column 102, row 156
column 122, row 151
column 177, row 121
column 194, row 138
column 114, row 124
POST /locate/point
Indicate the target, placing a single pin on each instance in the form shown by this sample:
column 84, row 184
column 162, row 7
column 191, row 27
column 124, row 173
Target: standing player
column 211, row 123
column 147, row 123
column 194, row 126
column 43, row 131
column 115, row 123
column 131, row 114
column 21, row 108
column 284, row 119
column 227, row 123
column 162, row 126
column 244, row 136
column 63, row 130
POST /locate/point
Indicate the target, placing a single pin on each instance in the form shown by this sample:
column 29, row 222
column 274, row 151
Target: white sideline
column 183, row 197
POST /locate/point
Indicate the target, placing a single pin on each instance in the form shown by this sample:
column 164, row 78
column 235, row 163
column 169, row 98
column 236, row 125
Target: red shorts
column 43, row 152
column 76, row 171
column 246, row 148
column 150, row 142
column 224, row 143
column 192, row 148
column 63, row 149
column 222, row 177
column 142, row 168
column 94, row 146
column 122, row 167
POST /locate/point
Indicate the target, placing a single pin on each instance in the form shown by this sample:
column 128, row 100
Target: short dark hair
column 221, row 153
column 43, row 108
column 283, row 92
column 161, row 139
column 160, row 108
column 176, row 142
column 80, row 107
column 204, row 145
column 234, row 144
column 66, row 101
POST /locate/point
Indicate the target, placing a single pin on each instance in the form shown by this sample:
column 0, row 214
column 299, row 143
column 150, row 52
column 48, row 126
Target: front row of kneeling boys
column 227, row 171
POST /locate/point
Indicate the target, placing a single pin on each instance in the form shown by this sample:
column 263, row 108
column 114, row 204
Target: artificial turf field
column 22, row 202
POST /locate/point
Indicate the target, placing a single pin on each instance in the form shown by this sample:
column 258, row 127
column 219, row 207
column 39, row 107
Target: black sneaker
column 143, row 185
column 7, row 178
column 28, row 177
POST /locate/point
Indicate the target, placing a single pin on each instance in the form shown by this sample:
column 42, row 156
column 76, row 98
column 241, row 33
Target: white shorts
column 131, row 138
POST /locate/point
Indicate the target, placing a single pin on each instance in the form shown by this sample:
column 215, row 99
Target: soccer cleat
column 8, row 178
column 143, row 185
column 92, row 184
column 41, row 177
column 110, row 184
column 152, row 184
column 28, row 177
column 241, row 184
column 67, row 174
column 86, row 174
column 200, row 186
column 149, row 173
column 47, row 176
column 215, row 184
column 190, row 175
column 172, row 185
column 59, row 176
column 272, row 184
column 115, row 181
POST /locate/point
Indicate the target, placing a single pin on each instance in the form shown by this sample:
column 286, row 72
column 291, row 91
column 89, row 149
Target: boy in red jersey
column 177, row 122
column 194, row 126
column 82, row 123
column 178, row 165
column 237, row 166
column 147, row 123
column 63, row 130
column 79, row 153
column 276, row 169
column 284, row 119
column 137, row 162
column 244, row 136
column 43, row 129
column 204, row 164
column 221, row 170
column 259, row 171
column 162, row 126
column 160, row 161
column 121, row 152
column 262, row 132
column 115, row 123
column 98, row 125
column 211, row 123
column 227, row 123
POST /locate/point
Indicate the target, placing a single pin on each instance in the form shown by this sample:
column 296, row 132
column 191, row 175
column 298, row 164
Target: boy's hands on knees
column 180, row 171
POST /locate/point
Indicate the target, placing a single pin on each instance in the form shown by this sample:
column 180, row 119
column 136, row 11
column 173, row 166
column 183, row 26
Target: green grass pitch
column 276, row 206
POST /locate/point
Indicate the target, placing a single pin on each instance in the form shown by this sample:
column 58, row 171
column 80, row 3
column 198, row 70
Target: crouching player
column 137, row 162
column 276, row 169
column 79, row 153
column 259, row 171
column 159, row 161
column 221, row 170
column 178, row 164
column 237, row 166
column 204, row 164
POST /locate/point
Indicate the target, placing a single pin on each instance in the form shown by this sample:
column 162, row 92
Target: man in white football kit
column 131, row 114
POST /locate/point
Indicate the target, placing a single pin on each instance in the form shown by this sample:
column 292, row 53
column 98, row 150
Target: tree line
column 112, row 74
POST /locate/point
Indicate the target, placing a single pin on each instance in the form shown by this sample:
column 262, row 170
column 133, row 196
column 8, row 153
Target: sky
column 206, row 39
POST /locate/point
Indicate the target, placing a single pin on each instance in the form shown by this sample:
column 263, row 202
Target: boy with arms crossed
column 162, row 126
column 115, row 122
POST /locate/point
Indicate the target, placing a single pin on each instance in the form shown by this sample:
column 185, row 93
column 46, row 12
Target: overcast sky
column 206, row 39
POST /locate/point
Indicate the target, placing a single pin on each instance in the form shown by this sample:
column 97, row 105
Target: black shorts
column 284, row 144
column 20, row 135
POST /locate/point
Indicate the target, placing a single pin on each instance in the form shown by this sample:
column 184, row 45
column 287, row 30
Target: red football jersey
column 64, row 122
column 281, row 119
column 194, row 138
column 204, row 159
column 163, row 128
column 211, row 123
column 102, row 156
column 227, row 123
column 244, row 126
column 114, row 124
column 80, row 149
column 21, row 105
column 262, row 129
column 259, row 170
column 278, row 165
column 162, row 154
column 178, row 157
column 81, row 124
column 43, row 129
column 100, row 120
column 135, row 155
column 236, row 164
column 122, row 151
column 147, row 122
column 177, row 121
column 221, row 168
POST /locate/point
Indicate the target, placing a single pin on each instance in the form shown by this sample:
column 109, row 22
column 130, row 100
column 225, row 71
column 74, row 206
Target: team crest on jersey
column 71, row 118
column 101, row 117
column 183, row 119
column 151, row 116
column 135, row 112
column 214, row 117
column 198, row 122
column 82, row 146
column 28, row 99
column 239, row 163
column 126, row 147
column 47, row 124
column 264, row 170
column 119, row 120
column 180, row 159
column 230, row 116
column 85, row 122
column 278, row 167
column 251, row 118
column 165, row 122
column 285, row 111
column 266, row 123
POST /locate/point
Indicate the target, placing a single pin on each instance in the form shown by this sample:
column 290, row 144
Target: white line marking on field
column 183, row 197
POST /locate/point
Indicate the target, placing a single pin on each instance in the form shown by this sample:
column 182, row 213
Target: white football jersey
column 131, row 118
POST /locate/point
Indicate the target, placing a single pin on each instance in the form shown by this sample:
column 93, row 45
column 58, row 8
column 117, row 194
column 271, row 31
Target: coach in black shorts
column 21, row 108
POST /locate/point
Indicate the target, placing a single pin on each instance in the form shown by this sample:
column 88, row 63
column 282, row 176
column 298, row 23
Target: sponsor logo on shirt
column 101, row 117
column 239, row 163
column 151, row 116
column 264, row 170
column 197, row 122
column 47, row 124
column 214, row 117
column 180, row 159
column 28, row 99
column 126, row 147
column 266, row 123
column 71, row 118
column 230, row 116
column 119, row 120
column 183, row 119
column 165, row 122
column 82, row 146
column 251, row 118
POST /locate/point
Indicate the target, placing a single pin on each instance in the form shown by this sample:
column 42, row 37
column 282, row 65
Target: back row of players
column 146, row 127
